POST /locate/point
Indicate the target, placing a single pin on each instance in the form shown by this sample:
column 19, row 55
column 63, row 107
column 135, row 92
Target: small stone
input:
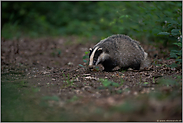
column 70, row 64
column 78, row 91
column 111, row 101
column 86, row 88
column 89, row 77
column 173, row 68
column 135, row 93
column 86, row 74
column 45, row 72
column 61, row 103
column 76, row 80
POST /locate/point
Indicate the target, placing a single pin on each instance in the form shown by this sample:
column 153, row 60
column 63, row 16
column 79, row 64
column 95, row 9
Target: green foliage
column 108, row 83
column 145, row 83
column 68, row 81
column 81, row 65
column 140, row 20
column 170, row 82
column 177, row 54
column 122, row 81
column 74, row 98
column 20, row 104
column 85, row 57
column 12, row 102
column 173, row 30
column 126, row 107
column 54, row 98
column 35, row 89
column 56, row 52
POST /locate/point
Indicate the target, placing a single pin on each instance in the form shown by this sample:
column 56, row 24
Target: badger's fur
column 118, row 50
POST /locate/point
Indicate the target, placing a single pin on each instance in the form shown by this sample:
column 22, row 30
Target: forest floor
column 47, row 79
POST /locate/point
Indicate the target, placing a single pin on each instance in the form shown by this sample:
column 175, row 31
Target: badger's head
column 97, row 55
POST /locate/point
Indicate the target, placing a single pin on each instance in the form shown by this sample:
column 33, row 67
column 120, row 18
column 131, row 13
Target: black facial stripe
column 96, row 55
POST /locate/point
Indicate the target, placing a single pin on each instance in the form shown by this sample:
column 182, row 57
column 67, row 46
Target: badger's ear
column 90, row 49
column 99, row 48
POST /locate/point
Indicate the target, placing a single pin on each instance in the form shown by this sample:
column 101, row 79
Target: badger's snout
column 90, row 66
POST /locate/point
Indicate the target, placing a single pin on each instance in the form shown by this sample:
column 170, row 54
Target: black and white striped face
column 96, row 56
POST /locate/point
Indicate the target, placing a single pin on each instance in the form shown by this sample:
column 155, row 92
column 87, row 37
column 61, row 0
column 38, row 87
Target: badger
column 118, row 50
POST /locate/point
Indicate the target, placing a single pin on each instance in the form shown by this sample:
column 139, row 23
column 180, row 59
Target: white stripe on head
column 92, row 56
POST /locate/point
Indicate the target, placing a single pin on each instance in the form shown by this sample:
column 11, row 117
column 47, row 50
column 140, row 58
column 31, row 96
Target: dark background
column 140, row 20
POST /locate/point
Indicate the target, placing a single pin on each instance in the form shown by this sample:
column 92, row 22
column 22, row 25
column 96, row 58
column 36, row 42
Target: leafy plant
column 108, row 83
column 172, row 29
column 74, row 98
column 67, row 80
column 35, row 89
column 177, row 54
column 122, row 81
column 55, row 98
column 81, row 65
column 56, row 53
column 85, row 57
column 146, row 83
column 176, row 33
column 169, row 81
column 126, row 107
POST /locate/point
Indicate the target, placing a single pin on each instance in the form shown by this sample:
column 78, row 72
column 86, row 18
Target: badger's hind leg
column 136, row 67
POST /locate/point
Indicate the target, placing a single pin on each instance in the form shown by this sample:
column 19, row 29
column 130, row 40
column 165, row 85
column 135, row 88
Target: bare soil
column 54, row 67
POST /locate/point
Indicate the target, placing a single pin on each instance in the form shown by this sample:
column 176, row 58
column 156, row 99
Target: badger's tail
column 146, row 62
column 145, row 55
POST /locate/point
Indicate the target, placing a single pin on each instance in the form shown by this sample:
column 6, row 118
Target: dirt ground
column 54, row 67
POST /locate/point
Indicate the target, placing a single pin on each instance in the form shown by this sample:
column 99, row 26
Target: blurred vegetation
column 21, row 103
column 140, row 20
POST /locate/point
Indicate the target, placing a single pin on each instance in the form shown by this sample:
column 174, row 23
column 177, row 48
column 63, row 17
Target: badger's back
column 125, row 51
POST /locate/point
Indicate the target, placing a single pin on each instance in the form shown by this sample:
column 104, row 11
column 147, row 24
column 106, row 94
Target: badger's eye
column 94, row 61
